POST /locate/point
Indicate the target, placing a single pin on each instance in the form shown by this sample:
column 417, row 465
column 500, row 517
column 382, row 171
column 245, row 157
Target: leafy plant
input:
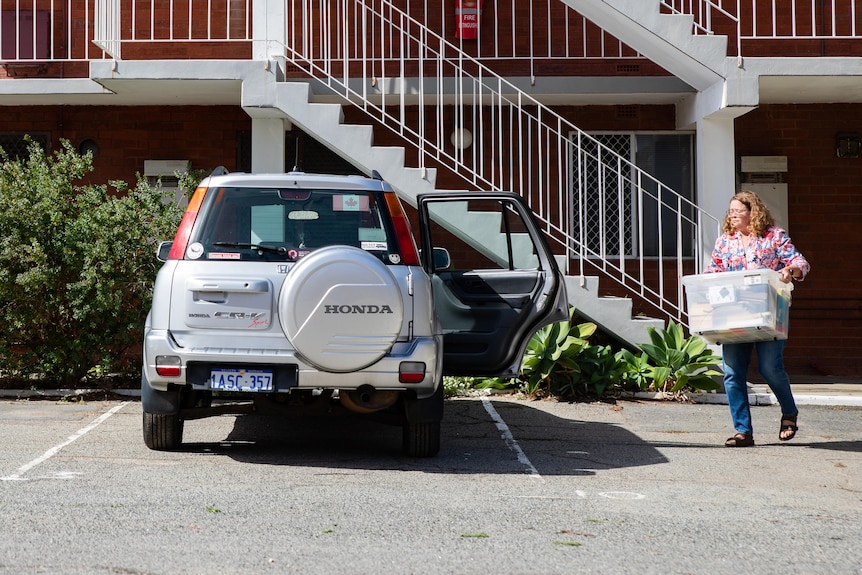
column 189, row 180
column 77, row 265
column 636, row 371
column 672, row 362
column 599, row 371
column 551, row 358
column 459, row 385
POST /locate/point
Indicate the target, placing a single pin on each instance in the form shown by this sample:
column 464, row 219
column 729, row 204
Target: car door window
column 498, row 284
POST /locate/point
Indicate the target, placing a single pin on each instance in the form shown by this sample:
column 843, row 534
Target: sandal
column 788, row 428
column 740, row 440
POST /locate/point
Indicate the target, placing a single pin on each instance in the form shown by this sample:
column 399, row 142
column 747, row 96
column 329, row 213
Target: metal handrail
column 428, row 91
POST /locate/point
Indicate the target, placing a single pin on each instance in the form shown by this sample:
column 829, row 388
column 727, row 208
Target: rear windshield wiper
column 280, row 250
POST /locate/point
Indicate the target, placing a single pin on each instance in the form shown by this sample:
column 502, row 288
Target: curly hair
column 761, row 218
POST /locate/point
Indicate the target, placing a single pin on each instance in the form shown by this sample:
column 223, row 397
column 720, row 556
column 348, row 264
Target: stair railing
column 456, row 113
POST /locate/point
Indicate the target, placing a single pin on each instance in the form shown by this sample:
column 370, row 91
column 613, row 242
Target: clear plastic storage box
column 737, row 307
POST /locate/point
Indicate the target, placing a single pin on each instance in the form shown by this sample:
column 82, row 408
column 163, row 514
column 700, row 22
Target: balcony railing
column 47, row 30
column 95, row 29
column 529, row 32
column 755, row 23
column 84, row 30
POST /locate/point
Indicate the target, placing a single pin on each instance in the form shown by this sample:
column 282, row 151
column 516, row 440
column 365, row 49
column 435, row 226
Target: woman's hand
column 790, row 273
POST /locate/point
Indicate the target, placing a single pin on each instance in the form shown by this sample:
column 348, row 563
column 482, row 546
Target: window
column 504, row 243
column 15, row 143
column 611, row 215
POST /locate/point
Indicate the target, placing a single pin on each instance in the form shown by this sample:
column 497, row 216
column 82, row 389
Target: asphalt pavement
column 520, row 487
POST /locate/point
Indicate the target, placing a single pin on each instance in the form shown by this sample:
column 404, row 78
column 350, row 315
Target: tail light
column 181, row 240
column 403, row 233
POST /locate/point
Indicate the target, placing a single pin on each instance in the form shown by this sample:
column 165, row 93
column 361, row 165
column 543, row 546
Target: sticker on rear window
column 224, row 256
column 373, row 246
column 349, row 203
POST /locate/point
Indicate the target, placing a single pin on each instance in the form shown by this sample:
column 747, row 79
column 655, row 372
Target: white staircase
column 666, row 39
column 353, row 142
column 388, row 82
column 324, row 121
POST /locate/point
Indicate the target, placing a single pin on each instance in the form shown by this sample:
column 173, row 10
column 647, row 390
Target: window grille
column 611, row 215
column 15, row 143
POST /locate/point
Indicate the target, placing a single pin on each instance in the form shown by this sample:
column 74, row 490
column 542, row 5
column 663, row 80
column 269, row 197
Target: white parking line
column 18, row 475
column 510, row 440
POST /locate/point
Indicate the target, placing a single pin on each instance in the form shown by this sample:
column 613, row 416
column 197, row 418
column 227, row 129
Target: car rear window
column 286, row 224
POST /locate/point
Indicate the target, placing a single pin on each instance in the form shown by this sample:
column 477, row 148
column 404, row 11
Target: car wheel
column 421, row 439
column 163, row 431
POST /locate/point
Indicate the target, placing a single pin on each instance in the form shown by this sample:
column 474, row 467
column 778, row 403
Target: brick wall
column 126, row 136
column 825, row 215
column 825, row 211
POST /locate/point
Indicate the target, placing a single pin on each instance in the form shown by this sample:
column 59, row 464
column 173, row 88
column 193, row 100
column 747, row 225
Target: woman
column 750, row 240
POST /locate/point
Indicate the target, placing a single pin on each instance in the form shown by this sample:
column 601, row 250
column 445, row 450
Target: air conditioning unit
column 764, row 175
column 163, row 173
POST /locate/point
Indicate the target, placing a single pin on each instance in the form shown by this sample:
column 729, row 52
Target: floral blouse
column 772, row 250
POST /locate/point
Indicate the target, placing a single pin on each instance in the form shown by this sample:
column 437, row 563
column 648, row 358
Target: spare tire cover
column 341, row 308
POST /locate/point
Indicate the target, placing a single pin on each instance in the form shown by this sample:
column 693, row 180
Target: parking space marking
column 18, row 475
column 507, row 436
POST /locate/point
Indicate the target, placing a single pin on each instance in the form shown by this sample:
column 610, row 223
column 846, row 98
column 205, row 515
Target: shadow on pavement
column 471, row 443
column 852, row 446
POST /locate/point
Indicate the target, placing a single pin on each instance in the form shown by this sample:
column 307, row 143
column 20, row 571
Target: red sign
column 468, row 14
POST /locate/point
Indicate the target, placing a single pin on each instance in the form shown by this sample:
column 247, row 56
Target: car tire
column 341, row 308
column 163, row 431
column 421, row 439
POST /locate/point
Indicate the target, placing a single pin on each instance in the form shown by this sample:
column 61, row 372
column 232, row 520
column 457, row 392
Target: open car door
column 494, row 279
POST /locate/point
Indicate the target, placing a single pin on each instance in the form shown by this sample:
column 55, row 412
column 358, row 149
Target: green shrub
column 599, row 373
column 552, row 362
column 77, row 265
column 671, row 362
column 561, row 362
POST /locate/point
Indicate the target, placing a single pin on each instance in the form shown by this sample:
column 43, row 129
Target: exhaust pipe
column 366, row 399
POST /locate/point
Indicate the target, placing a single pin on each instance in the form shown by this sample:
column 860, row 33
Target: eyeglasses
column 737, row 212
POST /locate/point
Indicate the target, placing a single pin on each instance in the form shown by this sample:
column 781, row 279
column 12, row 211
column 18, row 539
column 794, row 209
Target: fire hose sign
column 468, row 13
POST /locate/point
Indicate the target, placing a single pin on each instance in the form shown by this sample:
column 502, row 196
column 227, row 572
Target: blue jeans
column 770, row 364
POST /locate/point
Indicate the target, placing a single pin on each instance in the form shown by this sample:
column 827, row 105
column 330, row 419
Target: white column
column 267, row 145
column 716, row 173
column 269, row 28
column 710, row 115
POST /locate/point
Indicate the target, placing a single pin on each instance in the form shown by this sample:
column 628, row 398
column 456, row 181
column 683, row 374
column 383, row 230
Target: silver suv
column 306, row 294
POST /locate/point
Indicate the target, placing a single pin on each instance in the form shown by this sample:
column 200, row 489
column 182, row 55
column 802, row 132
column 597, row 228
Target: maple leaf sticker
column 350, row 203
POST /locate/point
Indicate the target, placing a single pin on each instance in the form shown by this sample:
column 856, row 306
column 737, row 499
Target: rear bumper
column 381, row 375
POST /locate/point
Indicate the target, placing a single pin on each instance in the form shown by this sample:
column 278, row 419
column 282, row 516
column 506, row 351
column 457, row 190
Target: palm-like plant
column 551, row 357
column 680, row 362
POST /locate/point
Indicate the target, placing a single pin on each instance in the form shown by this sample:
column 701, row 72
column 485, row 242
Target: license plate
column 241, row 379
